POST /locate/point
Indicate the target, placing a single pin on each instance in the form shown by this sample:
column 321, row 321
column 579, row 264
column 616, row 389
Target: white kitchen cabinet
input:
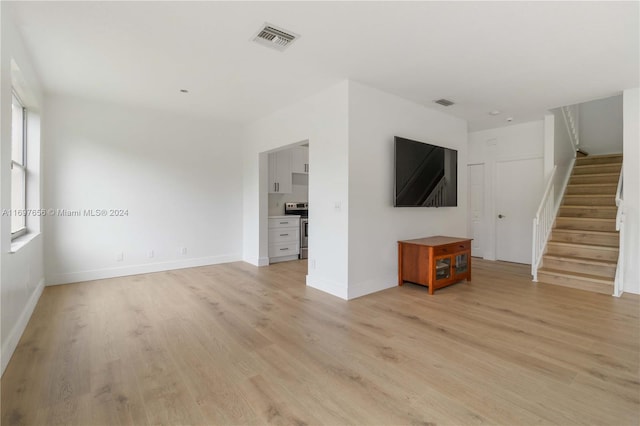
column 284, row 238
column 300, row 159
column 280, row 172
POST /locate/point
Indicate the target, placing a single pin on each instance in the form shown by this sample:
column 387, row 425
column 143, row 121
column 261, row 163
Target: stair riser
column 586, row 224
column 588, row 212
column 579, row 179
column 609, row 189
column 600, row 168
column 592, row 200
column 584, row 161
column 584, row 268
column 548, row 278
column 587, row 252
column 607, row 240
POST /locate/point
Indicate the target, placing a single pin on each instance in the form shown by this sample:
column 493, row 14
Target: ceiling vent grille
column 444, row 102
column 274, row 37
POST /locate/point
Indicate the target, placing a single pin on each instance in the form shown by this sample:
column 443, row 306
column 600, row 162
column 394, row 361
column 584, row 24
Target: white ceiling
column 520, row 58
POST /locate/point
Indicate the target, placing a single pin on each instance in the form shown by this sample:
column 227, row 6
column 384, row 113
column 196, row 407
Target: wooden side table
column 434, row 262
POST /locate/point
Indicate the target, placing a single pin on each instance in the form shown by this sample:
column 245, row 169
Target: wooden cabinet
column 280, row 172
column 300, row 159
column 435, row 262
column 284, row 238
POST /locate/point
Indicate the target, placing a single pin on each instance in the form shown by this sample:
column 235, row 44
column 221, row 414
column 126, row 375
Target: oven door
column 304, row 237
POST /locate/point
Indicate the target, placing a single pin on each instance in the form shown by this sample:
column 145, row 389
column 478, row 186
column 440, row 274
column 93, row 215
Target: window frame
column 22, row 165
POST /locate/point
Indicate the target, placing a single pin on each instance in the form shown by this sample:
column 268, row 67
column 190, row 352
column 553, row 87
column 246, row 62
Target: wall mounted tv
column 425, row 175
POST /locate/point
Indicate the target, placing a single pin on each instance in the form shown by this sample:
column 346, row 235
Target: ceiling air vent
column 274, row 37
column 444, row 102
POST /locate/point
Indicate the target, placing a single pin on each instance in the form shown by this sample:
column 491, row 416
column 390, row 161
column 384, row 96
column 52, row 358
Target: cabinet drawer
column 284, row 223
column 451, row 248
column 283, row 235
column 284, row 249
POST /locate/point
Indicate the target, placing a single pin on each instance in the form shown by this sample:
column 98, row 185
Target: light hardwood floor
column 235, row 344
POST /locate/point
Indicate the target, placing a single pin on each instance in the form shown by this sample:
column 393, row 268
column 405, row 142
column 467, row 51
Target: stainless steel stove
column 301, row 209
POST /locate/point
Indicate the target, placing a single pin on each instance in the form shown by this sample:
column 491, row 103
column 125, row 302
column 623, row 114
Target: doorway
column 476, row 225
column 519, row 186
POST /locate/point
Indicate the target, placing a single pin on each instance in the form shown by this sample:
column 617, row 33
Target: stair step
column 599, row 159
column 587, row 251
column 605, row 212
column 585, row 169
column 604, row 238
column 595, row 178
column 576, row 280
column 592, row 188
column 585, row 223
column 589, row 200
column 603, row 268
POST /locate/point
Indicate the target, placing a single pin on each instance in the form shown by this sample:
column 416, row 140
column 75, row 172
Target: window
column 18, row 167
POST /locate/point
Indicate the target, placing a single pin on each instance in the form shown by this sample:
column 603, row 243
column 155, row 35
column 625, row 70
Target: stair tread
column 588, row 277
column 587, row 206
column 603, row 219
column 604, row 156
column 583, row 245
column 581, row 259
column 585, row 231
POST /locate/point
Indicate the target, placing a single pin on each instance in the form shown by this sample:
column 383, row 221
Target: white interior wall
column 520, row 141
column 179, row 178
column 600, row 126
column 631, row 194
column 321, row 119
column 375, row 226
column 21, row 273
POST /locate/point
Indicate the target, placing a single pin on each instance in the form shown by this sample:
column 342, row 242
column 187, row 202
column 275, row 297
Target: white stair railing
column 542, row 224
column 618, row 283
column 571, row 117
column 438, row 196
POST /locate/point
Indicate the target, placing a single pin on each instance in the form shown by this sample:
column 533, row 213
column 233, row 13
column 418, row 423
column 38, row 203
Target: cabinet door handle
column 283, row 235
column 275, row 187
column 284, row 223
column 278, row 187
column 286, row 248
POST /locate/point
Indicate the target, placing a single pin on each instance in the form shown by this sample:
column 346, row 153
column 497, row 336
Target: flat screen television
column 425, row 175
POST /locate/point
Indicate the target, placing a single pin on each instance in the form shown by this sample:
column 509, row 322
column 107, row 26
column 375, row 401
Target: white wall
column 375, row 226
column 322, row 120
column 520, row 141
column 631, row 194
column 600, row 126
column 180, row 178
column 22, row 275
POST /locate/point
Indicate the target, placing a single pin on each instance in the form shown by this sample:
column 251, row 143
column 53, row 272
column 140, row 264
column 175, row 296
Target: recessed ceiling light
column 509, row 119
column 495, row 112
column 184, row 91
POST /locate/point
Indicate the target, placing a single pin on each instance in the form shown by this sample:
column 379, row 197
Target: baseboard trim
column 332, row 287
column 367, row 287
column 10, row 345
column 99, row 274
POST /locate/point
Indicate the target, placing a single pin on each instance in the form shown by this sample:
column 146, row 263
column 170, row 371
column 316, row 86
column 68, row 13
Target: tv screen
column 425, row 175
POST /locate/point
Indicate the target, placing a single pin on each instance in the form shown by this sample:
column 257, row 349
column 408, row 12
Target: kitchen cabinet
column 280, row 172
column 300, row 159
column 284, row 238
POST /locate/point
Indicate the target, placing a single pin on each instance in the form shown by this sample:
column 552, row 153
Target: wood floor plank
column 236, row 344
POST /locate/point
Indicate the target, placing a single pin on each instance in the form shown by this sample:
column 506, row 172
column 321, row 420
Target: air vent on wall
column 274, row 37
column 444, row 102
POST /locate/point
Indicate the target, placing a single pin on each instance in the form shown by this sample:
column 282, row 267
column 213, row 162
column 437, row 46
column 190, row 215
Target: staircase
column 582, row 251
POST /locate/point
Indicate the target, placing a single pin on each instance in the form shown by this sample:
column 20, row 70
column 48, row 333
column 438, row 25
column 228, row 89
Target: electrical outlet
column 182, row 251
column 119, row 257
column 312, row 263
column 150, row 254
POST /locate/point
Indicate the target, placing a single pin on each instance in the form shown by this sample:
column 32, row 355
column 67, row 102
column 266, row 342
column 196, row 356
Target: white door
column 475, row 189
column 519, row 186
